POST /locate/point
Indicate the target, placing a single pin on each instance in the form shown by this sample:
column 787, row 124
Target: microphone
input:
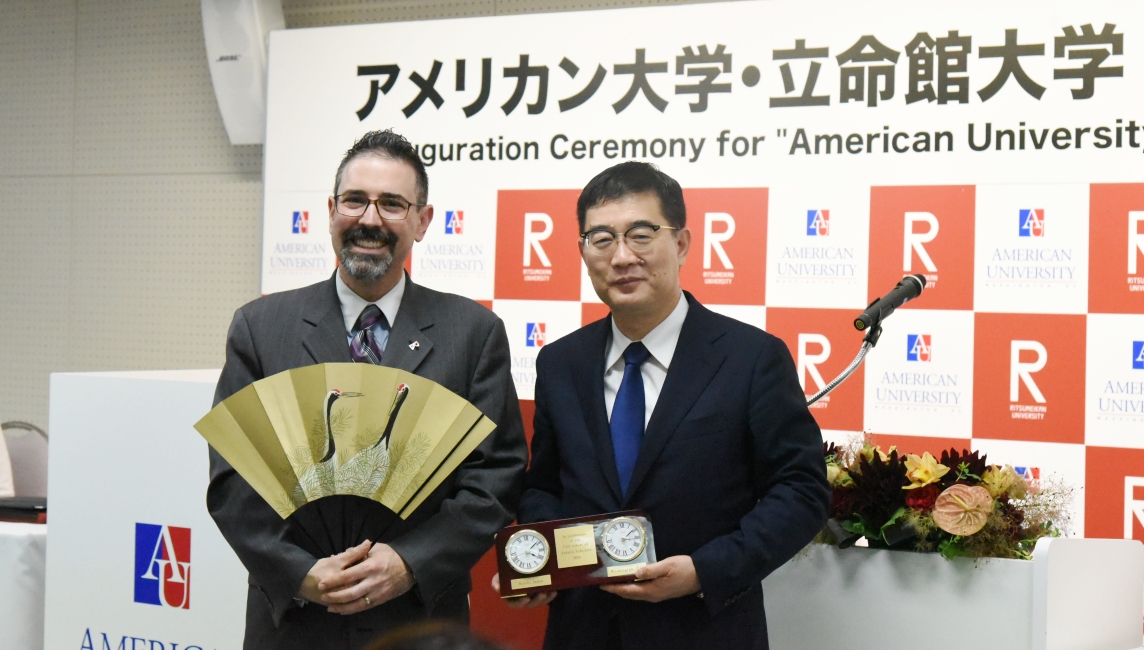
column 909, row 288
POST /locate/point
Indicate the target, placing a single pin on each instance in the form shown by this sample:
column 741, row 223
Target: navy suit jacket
column 730, row 472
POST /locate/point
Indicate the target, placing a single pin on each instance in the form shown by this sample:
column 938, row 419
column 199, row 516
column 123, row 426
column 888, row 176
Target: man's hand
column 521, row 602
column 663, row 580
column 380, row 577
column 328, row 567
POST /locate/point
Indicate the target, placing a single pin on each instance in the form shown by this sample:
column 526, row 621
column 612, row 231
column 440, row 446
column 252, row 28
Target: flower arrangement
column 958, row 505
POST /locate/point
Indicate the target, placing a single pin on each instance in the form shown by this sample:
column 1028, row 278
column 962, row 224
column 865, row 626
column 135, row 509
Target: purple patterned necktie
column 365, row 346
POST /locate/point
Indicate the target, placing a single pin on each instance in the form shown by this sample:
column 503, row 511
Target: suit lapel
column 326, row 340
column 589, row 378
column 408, row 344
column 693, row 365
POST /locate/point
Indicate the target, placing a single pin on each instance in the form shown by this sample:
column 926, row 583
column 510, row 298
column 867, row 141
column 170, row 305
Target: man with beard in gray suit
column 371, row 312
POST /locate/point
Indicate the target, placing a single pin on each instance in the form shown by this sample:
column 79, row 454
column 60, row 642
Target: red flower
column 842, row 502
column 923, row 498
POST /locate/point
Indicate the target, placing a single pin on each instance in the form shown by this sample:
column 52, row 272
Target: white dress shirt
column 660, row 342
column 353, row 304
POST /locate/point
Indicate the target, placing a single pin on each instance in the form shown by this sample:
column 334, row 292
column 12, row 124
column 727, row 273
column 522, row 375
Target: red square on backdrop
column 537, row 255
column 1116, row 248
column 1114, row 493
column 590, row 312
column 926, row 230
column 823, row 342
column 1028, row 377
column 727, row 263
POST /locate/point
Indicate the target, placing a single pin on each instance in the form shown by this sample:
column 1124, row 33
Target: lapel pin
column 414, row 345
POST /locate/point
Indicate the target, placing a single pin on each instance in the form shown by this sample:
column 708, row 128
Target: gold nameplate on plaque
column 526, row 583
column 629, row 570
column 575, row 546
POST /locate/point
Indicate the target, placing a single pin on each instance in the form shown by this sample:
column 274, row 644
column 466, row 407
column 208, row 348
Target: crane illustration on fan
column 344, row 452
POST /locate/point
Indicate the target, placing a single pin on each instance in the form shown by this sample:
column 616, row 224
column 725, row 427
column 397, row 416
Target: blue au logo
column 817, row 223
column 1138, row 355
column 918, row 347
column 301, row 222
column 1031, row 223
column 163, row 565
column 454, row 222
column 534, row 335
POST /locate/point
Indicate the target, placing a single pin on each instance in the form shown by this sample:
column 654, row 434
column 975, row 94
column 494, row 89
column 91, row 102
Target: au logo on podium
column 163, row 565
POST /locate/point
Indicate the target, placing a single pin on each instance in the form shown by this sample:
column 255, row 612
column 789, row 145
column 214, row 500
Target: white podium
column 1076, row 594
column 134, row 561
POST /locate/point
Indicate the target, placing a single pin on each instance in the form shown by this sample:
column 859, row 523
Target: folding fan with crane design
column 344, row 452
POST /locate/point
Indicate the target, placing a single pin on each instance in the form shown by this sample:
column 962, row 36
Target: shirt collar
column 660, row 341
column 353, row 304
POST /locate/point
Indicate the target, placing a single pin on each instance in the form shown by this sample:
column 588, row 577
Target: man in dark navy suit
column 668, row 407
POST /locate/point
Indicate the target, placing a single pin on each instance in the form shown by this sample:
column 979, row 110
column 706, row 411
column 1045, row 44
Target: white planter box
column 1075, row 594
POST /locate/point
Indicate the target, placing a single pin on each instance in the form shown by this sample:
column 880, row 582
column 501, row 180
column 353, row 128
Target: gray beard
column 364, row 267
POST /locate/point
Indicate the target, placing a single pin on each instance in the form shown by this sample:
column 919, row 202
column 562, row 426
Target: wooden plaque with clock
column 566, row 553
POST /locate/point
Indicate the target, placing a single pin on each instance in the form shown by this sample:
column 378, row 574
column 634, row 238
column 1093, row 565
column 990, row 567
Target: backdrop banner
column 825, row 149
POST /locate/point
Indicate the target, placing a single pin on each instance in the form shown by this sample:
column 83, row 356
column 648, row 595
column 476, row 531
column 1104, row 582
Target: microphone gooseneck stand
column 870, row 321
column 868, row 343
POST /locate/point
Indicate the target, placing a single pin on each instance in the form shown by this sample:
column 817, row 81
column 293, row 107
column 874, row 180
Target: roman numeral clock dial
column 624, row 539
column 526, row 551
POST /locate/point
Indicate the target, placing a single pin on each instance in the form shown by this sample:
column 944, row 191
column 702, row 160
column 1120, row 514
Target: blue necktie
column 628, row 414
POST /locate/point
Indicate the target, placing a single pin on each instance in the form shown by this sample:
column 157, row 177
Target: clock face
column 526, row 551
column 623, row 539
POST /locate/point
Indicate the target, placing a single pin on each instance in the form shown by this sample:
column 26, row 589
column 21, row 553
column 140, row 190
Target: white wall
column 129, row 226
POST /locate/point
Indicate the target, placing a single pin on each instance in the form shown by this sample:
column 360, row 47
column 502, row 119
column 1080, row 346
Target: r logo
column 808, row 363
column 713, row 241
column 1022, row 372
column 1042, row 396
column 1116, row 222
column 914, row 241
column 539, row 226
column 1133, row 507
column 727, row 261
column 532, row 238
column 1135, row 240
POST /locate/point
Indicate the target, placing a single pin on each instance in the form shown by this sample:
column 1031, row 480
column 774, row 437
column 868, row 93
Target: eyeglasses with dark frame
column 639, row 238
column 389, row 206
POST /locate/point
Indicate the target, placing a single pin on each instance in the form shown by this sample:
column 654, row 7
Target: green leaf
column 898, row 514
column 854, row 525
column 951, row 548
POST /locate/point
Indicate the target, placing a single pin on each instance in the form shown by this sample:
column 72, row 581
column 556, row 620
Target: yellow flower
column 837, row 476
column 868, row 452
column 923, row 470
column 1002, row 480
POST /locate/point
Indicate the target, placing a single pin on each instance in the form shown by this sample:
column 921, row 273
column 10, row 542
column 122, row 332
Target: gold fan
column 319, row 442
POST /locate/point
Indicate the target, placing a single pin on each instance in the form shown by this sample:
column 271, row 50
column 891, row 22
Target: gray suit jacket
column 463, row 347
